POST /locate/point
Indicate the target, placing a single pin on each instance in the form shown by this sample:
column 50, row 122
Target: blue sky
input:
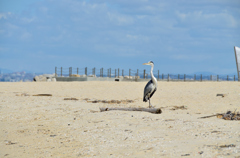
column 180, row 36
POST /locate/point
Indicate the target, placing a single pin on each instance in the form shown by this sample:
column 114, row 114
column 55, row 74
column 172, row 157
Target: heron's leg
column 150, row 105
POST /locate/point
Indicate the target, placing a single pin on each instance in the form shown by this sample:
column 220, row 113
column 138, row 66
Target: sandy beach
column 49, row 126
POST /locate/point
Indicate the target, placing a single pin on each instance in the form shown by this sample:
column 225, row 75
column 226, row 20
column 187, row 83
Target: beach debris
column 42, row 95
column 221, row 95
column 179, row 107
column 93, row 111
column 201, row 152
column 216, row 132
column 186, row 155
column 45, row 78
column 227, row 146
column 126, row 101
column 8, row 142
column 169, row 120
column 70, row 99
column 229, row 115
column 151, row 110
column 22, row 94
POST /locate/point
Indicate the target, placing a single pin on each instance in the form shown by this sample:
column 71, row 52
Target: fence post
column 211, row 77
column 234, row 77
column 61, row 71
column 115, row 73
column 137, row 72
column 122, row 72
column 70, row 71
column 184, row 77
column 55, row 71
column 129, row 73
column 217, row 77
column 144, row 73
column 110, row 72
column 168, row 77
column 77, row 70
column 162, row 76
column 227, row 77
column 86, row 71
column 158, row 74
column 118, row 72
column 102, row 72
column 194, row 77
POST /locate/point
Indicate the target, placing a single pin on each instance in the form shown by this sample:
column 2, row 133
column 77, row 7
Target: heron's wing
column 148, row 89
column 153, row 92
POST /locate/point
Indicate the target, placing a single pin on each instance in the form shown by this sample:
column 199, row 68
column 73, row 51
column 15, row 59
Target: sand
column 49, row 126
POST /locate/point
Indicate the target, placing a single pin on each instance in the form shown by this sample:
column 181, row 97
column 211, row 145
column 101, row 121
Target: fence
column 139, row 74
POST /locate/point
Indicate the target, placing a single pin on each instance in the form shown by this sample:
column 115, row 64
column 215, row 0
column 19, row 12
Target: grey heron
column 151, row 86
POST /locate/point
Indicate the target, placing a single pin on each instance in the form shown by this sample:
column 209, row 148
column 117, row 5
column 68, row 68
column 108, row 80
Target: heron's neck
column 153, row 78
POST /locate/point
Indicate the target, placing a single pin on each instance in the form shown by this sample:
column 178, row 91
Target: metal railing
column 139, row 74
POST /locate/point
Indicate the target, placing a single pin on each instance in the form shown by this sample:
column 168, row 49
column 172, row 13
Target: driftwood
column 209, row 116
column 42, row 95
column 229, row 115
column 221, row 95
column 151, row 110
column 70, row 99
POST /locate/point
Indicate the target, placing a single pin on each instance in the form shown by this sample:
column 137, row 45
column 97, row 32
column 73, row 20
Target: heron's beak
column 145, row 64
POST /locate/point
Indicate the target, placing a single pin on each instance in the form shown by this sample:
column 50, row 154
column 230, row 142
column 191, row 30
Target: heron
column 151, row 86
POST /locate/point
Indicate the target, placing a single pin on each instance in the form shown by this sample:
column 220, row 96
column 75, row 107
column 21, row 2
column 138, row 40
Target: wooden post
column 162, row 76
column 86, row 71
column 69, row 71
column 129, row 73
column 201, row 77
column 110, row 73
column 234, row 77
column 55, row 71
column 168, row 78
column 118, row 72
column 217, row 77
column 178, row 77
column 137, row 72
column 115, row 73
column 144, row 73
column 158, row 74
column 122, row 72
column 211, row 77
column 184, row 77
column 61, row 71
column 227, row 77
column 194, row 77
column 77, row 70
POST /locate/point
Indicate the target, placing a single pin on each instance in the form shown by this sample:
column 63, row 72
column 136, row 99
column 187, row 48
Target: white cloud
column 26, row 36
column 200, row 19
column 5, row 15
column 120, row 19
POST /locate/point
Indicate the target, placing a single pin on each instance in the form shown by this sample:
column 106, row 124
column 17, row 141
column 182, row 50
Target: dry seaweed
column 109, row 101
column 229, row 115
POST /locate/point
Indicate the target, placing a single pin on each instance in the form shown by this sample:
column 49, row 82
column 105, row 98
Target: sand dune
column 49, row 126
